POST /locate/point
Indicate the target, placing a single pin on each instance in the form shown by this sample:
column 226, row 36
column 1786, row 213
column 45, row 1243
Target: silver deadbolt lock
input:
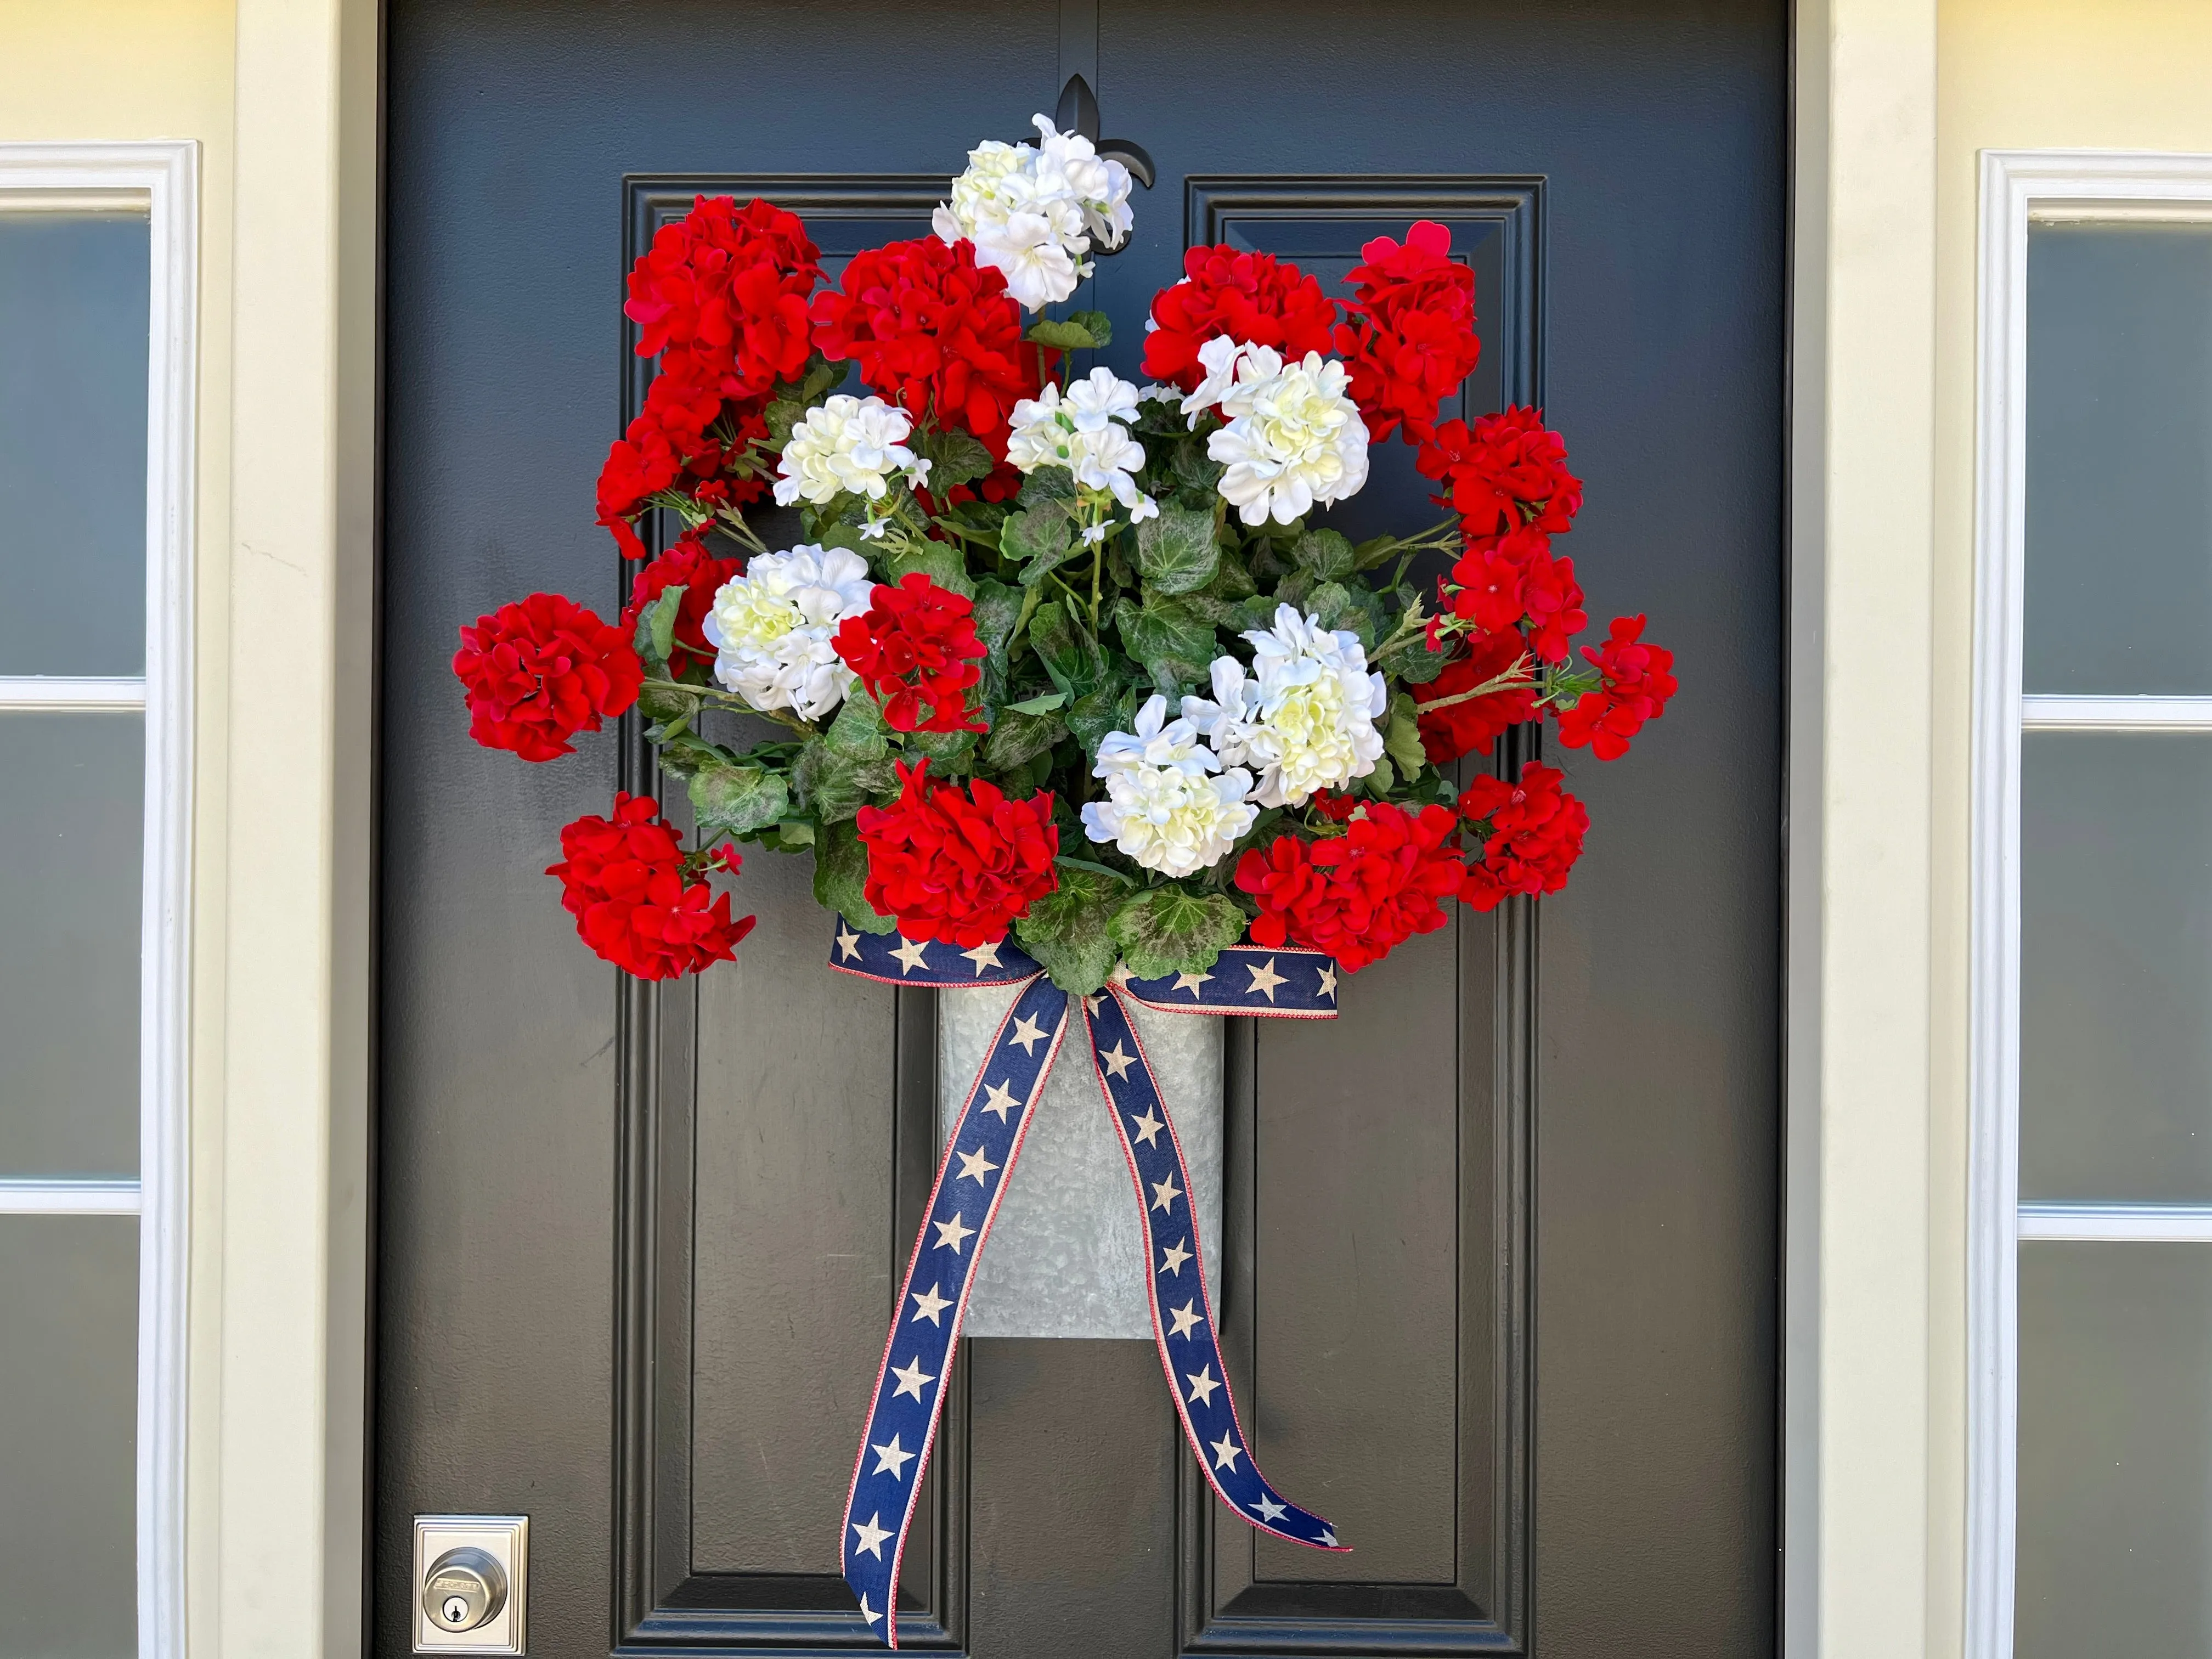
column 465, row 1588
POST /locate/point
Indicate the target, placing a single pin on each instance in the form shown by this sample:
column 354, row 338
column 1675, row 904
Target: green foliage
column 1168, row 931
column 841, row 875
column 1066, row 930
column 1047, row 484
column 1402, row 740
column 1324, row 554
column 1172, row 638
column 1096, row 323
column 1069, row 336
column 736, row 800
column 1176, row 552
column 954, row 458
column 939, row 560
column 1018, row 738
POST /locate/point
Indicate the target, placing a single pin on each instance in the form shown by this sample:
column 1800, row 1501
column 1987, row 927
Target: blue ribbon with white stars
column 979, row 1161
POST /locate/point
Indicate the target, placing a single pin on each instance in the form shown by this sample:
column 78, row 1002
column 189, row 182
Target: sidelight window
column 95, row 283
column 2092, row 1362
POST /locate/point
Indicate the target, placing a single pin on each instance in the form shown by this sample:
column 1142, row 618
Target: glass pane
column 2115, row 967
column 2119, row 457
column 2115, row 1451
column 73, row 343
column 68, row 1389
column 71, row 790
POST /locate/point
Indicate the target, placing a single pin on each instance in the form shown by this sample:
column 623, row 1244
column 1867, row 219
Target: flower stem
column 1512, row 679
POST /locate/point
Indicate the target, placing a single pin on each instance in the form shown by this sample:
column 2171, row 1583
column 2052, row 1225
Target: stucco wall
column 164, row 69
column 2012, row 74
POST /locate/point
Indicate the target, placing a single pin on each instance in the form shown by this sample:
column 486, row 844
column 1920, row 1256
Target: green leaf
column 1383, row 780
column 1040, row 705
column 736, row 800
column 859, row 730
column 1379, row 549
column 938, row 560
column 671, row 710
column 782, row 416
column 1098, row 322
column 792, row 834
column 1066, row 930
column 1193, row 468
column 1174, row 639
column 840, row 874
column 940, row 746
column 1402, row 740
column 1048, row 484
column 1069, row 336
column 1037, row 533
column 834, row 784
column 1067, row 863
column 1169, row 931
column 1094, row 716
column 1019, row 736
column 1413, row 663
column 660, row 618
column 1176, row 552
column 1066, row 648
column 998, row 608
column 1326, row 555
column 954, row 458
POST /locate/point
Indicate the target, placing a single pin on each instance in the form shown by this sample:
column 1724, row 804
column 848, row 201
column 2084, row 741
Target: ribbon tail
column 908, row 1398
column 1183, row 1313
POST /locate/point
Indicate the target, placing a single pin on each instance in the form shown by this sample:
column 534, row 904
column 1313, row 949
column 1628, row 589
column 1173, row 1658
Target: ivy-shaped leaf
column 1069, row 336
column 1018, row 736
column 1176, row 552
column 841, row 875
column 736, row 800
column 1066, row 930
column 939, row 560
column 1097, row 324
column 1174, row 640
column 1402, row 741
column 1048, row 484
column 1039, row 705
column 834, row 784
column 955, row 457
column 1169, row 931
column 1324, row 554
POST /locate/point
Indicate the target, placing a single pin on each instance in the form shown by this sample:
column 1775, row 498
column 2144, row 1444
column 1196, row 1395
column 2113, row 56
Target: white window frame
column 2018, row 188
column 162, row 178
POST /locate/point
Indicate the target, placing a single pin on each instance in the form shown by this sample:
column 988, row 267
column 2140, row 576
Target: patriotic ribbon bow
column 925, row 1334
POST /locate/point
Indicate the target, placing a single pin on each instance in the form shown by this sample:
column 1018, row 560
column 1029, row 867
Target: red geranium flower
column 538, row 672
column 916, row 644
column 1506, row 471
column 1534, row 834
column 1360, row 895
column 1499, row 583
column 1463, row 727
column 690, row 566
column 722, row 292
column 1410, row 339
column 933, row 332
column 1638, row 680
column 958, row 865
column 1252, row 297
column 623, row 880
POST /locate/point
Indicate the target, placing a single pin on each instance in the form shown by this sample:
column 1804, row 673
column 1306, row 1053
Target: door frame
column 278, row 1183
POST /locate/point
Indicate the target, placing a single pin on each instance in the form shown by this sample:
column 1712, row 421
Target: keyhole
column 456, row 1609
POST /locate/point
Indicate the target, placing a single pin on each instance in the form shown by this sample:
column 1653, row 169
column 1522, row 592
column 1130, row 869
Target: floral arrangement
column 1052, row 651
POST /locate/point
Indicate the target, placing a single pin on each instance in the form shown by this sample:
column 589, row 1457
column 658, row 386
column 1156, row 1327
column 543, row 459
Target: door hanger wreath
column 1068, row 690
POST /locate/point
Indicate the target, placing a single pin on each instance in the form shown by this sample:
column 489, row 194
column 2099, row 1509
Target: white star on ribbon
column 951, row 1235
column 913, row 952
column 983, row 956
column 911, row 1379
column 867, row 1612
column 849, row 945
column 1185, row 1318
column 1329, row 979
column 999, row 1099
column 1190, row 983
column 1269, row 1509
column 1146, row 1126
column 1326, row 1537
column 1028, row 1033
column 890, row 1460
column 1094, row 1002
column 871, row 1536
column 1173, row 1257
column 927, row 1304
column 1116, row 1063
column 1265, row 979
column 1164, row 1193
column 975, row 1166
column 1225, row 1451
column 1202, row 1384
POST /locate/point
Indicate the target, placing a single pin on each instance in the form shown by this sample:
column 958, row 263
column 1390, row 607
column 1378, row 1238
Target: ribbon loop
column 925, row 1333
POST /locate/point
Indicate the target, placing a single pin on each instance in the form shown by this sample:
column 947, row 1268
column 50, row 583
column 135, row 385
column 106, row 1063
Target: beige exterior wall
column 2012, row 75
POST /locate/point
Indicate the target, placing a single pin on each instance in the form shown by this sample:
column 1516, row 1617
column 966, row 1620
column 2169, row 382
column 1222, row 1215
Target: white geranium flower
column 1294, row 437
column 1081, row 432
column 773, row 627
column 1305, row 719
column 1032, row 211
column 848, row 444
column 1164, row 807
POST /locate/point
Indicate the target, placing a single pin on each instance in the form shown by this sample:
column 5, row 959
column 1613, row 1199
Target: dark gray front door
column 1500, row 1282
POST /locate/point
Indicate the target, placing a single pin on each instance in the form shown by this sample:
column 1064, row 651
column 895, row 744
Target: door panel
column 1499, row 1288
